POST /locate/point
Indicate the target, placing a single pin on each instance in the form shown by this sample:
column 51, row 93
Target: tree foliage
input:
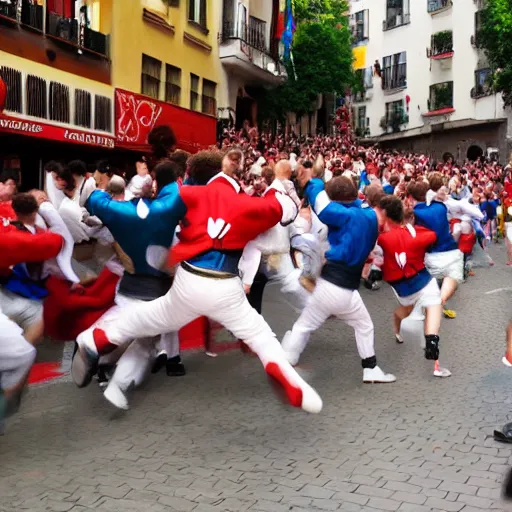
column 322, row 59
column 495, row 36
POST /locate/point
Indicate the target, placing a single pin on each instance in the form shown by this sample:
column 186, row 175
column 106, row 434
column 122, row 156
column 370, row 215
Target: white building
column 425, row 80
column 249, row 55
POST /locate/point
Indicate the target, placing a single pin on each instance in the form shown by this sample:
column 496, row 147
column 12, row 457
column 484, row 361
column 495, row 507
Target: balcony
column 483, row 84
column 245, row 51
column 396, row 20
column 393, row 121
column 394, row 77
column 436, row 6
column 440, row 101
column 441, row 46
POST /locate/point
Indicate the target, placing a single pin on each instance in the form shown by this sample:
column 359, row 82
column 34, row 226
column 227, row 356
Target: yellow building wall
column 132, row 37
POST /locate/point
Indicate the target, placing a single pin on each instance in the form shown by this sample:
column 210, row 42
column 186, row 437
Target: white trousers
column 330, row 300
column 17, row 355
column 190, row 297
column 134, row 362
column 287, row 276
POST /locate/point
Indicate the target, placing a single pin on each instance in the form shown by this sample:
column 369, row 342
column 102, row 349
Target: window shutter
column 366, row 26
column 202, row 13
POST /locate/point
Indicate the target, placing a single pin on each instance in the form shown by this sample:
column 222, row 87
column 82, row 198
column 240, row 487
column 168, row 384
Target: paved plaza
column 219, row 440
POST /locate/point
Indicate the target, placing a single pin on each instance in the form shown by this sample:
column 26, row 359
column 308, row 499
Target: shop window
column 83, row 108
column 151, row 70
column 209, row 101
column 36, row 96
column 59, row 102
column 197, row 12
column 173, row 84
column 194, row 92
column 12, row 79
column 103, row 113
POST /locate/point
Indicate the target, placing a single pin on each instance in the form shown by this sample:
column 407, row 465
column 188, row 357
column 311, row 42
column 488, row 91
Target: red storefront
column 137, row 115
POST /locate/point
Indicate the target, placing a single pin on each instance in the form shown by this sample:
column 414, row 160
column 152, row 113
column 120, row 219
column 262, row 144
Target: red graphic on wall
column 3, row 94
column 137, row 115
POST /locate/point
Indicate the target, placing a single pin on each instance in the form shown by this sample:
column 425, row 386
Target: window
column 59, row 102
column 397, row 14
column 396, row 115
column 83, row 108
column 361, row 26
column 256, row 33
column 194, row 92
column 394, row 71
column 437, row 5
column 364, row 79
column 441, row 43
column 12, row 79
column 209, row 102
column 361, row 118
column 172, row 84
column 36, row 96
column 103, row 113
column 197, row 12
column 482, row 83
column 478, row 25
column 441, row 96
column 151, row 69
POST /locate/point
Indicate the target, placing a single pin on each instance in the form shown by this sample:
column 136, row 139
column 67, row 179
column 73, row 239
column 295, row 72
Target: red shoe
column 299, row 393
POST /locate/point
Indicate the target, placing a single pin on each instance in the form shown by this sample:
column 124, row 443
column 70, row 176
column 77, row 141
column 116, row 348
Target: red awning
column 11, row 124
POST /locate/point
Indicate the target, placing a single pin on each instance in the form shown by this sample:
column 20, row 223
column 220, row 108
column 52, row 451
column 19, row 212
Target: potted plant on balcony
column 442, row 42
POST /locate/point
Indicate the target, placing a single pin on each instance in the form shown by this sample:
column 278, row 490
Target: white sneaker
column 506, row 362
column 442, row 373
column 292, row 355
column 377, row 376
column 115, row 396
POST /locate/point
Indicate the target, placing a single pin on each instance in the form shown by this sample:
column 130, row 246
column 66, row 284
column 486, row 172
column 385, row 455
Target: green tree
column 322, row 59
column 495, row 36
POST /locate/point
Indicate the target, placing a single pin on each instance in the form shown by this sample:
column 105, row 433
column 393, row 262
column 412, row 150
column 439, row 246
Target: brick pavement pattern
column 218, row 440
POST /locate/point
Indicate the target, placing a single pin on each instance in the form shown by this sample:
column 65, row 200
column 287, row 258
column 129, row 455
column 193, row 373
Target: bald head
column 283, row 170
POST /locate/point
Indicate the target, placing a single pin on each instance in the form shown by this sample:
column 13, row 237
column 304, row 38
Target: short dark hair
column 77, row 167
column 104, row 167
column 394, row 180
column 24, row 204
column 418, row 190
column 374, row 193
column 393, row 207
column 341, row 189
column 204, row 165
column 435, row 181
column 308, row 164
column 162, row 140
column 180, row 158
column 165, row 172
column 10, row 174
column 52, row 166
column 65, row 174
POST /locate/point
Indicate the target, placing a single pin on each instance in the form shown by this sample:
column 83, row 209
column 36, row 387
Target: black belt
column 211, row 274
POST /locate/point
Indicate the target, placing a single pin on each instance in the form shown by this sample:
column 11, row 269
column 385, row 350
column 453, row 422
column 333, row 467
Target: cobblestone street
column 219, row 440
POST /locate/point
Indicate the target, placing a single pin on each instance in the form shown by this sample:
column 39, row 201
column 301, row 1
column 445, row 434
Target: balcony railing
column 396, row 21
column 8, row 10
column 394, row 77
column 480, row 91
column 438, row 5
column 441, row 44
column 67, row 30
column 250, row 33
column 32, row 16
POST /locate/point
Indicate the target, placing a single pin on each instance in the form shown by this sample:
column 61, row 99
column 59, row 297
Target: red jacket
column 220, row 216
column 21, row 247
column 6, row 211
column 404, row 250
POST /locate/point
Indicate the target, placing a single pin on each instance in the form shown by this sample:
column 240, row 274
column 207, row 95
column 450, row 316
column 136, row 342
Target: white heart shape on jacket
column 401, row 259
column 217, row 228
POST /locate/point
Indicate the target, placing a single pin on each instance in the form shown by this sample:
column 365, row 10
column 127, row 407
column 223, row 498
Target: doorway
column 244, row 111
column 474, row 152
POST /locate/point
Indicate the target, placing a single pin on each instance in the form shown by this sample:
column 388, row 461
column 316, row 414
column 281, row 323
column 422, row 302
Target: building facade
column 89, row 78
column 249, row 56
column 424, row 81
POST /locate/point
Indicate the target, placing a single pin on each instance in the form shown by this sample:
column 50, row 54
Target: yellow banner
column 359, row 57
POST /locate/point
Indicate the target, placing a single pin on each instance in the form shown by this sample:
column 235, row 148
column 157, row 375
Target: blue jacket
column 22, row 283
column 489, row 209
column 389, row 189
column 135, row 234
column 435, row 218
column 353, row 232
